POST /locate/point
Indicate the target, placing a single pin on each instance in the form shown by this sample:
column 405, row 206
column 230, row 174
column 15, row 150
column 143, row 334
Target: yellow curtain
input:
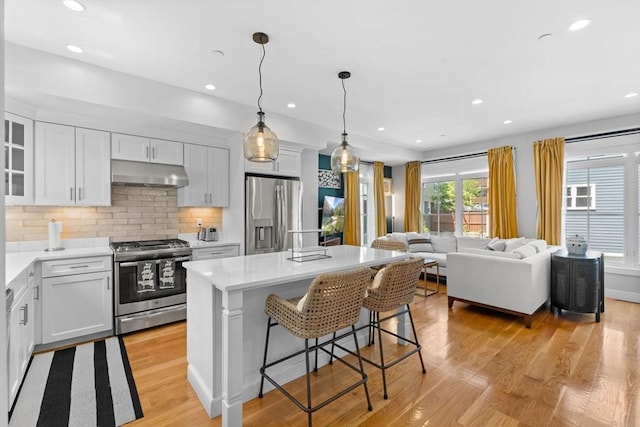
column 412, row 197
column 503, row 219
column 378, row 190
column 352, row 209
column 548, row 163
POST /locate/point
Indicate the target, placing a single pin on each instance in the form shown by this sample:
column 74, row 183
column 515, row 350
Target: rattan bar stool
column 333, row 302
column 390, row 245
column 397, row 285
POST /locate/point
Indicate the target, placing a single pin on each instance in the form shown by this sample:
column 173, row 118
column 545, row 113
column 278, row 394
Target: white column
column 232, row 358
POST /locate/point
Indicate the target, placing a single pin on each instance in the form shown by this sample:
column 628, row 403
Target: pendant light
column 344, row 158
column 260, row 143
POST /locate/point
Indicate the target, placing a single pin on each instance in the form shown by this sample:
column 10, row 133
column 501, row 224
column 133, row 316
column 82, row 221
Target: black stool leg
column 384, row 376
column 264, row 359
column 371, row 320
column 333, row 345
column 306, row 356
column 415, row 336
column 315, row 368
column 364, row 376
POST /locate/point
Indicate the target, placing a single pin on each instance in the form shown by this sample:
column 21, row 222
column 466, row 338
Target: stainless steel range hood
column 148, row 174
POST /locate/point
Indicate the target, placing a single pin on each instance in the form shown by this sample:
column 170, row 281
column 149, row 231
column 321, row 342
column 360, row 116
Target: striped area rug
column 86, row 385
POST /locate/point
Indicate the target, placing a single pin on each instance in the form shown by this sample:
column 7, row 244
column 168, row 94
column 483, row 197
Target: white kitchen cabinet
column 20, row 339
column 72, row 166
column 141, row 149
column 77, row 300
column 208, row 171
column 213, row 252
column 287, row 164
column 18, row 160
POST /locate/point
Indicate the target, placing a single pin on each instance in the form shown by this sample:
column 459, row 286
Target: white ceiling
column 416, row 65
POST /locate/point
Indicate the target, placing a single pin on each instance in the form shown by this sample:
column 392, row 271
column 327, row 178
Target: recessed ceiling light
column 476, row 101
column 418, row 141
column 507, row 122
column 75, row 49
column 631, row 95
column 209, row 87
column 74, row 5
column 578, row 25
column 291, row 105
column 380, row 129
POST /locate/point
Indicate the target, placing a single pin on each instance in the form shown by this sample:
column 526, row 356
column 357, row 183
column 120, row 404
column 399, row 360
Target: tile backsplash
column 135, row 213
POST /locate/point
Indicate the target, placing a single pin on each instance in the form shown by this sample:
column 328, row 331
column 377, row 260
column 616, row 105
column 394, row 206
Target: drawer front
column 215, row 252
column 65, row 267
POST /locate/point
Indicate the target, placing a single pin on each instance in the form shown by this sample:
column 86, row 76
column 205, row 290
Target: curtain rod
column 460, row 157
column 603, row 135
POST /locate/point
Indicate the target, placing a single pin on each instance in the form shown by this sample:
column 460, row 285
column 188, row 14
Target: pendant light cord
column 344, row 109
column 260, row 76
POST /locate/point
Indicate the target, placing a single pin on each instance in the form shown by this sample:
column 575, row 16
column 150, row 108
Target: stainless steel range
column 150, row 283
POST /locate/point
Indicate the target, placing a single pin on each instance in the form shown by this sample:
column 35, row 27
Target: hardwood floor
column 483, row 369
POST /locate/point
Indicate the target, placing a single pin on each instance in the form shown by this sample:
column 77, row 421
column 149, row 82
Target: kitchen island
column 226, row 323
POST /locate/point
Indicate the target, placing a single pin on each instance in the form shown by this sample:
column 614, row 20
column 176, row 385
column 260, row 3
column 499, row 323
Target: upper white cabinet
column 18, row 160
column 72, row 166
column 141, row 149
column 287, row 164
column 208, row 171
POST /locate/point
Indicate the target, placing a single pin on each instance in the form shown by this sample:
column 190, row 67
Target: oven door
column 149, row 284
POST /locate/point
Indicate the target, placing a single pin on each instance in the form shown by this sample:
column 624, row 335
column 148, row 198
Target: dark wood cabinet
column 577, row 282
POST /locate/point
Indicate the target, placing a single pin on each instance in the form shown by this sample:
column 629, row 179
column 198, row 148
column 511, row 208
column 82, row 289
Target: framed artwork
column 328, row 179
column 386, row 184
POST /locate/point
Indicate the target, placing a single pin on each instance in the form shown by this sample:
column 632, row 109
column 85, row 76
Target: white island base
column 226, row 323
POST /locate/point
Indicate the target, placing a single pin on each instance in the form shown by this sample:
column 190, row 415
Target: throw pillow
column 496, row 244
column 540, row 245
column 377, row 279
column 524, row 251
column 444, row 244
column 300, row 304
column 419, row 243
column 512, row 244
column 472, row 242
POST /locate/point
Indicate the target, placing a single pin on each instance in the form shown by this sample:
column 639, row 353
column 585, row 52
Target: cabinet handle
column 153, row 152
column 71, row 194
column 37, row 296
column 79, row 193
column 79, row 266
column 146, row 152
column 205, row 198
column 25, row 310
column 210, row 198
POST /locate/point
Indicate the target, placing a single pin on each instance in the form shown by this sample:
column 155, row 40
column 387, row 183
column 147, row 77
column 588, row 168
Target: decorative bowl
column 577, row 245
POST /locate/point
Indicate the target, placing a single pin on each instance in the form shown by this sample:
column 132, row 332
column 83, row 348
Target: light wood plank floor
column 483, row 369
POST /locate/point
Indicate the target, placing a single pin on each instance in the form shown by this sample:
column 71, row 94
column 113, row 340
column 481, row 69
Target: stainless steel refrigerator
column 273, row 207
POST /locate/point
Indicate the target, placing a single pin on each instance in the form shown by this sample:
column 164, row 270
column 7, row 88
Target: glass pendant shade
column 345, row 158
column 260, row 143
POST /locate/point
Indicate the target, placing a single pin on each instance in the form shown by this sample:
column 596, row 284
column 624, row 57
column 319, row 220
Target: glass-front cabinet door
column 18, row 159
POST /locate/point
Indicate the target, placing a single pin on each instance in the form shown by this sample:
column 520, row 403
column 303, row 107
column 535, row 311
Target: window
column 364, row 202
column 610, row 222
column 454, row 197
column 581, row 196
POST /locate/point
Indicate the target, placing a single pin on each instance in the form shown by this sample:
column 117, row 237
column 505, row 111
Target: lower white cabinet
column 77, row 300
column 213, row 252
column 21, row 329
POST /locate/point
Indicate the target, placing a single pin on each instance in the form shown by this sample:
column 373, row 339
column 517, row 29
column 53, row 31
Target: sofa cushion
column 398, row 237
column 525, row 251
column 514, row 243
column 419, row 243
column 472, row 242
column 444, row 244
column 486, row 252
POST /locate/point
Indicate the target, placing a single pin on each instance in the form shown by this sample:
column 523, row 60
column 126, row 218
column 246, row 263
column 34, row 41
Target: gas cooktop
column 149, row 245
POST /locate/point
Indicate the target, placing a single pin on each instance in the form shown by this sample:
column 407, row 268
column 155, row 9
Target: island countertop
column 254, row 271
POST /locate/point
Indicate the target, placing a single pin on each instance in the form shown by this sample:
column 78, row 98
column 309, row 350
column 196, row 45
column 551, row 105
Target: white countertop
column 253, row 271
column 19, row 256
column 199, row 244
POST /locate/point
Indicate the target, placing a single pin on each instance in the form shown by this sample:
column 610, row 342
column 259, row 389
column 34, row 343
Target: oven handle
column 158, row 261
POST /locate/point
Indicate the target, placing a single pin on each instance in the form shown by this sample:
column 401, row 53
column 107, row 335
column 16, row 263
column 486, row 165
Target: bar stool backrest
column 397, row 285
column 333, row 302
column 390, row 245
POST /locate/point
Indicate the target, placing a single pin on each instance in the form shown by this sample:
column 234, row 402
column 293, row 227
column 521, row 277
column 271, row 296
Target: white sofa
column 515, row 286
column 513, row 277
